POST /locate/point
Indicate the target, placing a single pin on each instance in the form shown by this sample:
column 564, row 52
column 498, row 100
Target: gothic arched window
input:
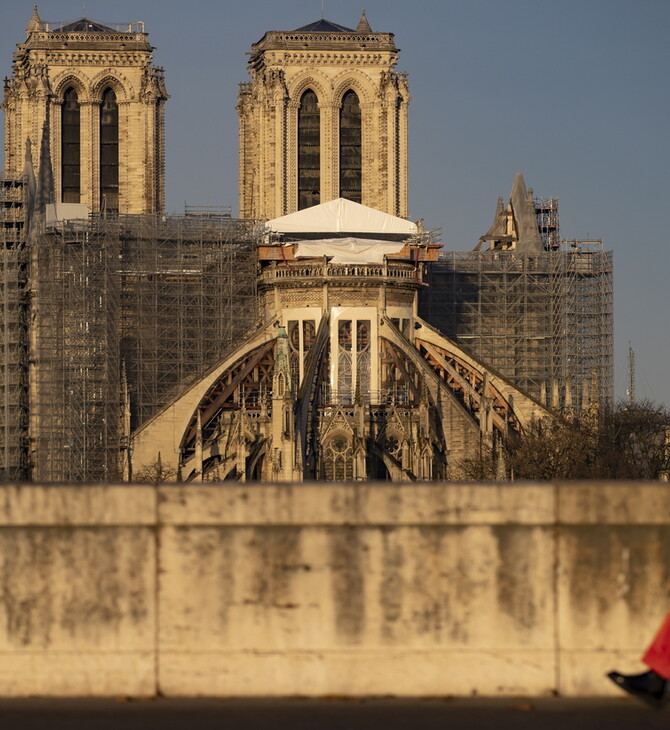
column 350, row 147
column 338, row 459
column 344, row 360
column 70, row 148
column 309, row 151
column 109, row 153
column 363, row 358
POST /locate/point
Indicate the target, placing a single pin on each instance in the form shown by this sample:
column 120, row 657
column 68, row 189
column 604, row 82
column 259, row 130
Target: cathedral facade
column 343, row 380
column 298, row 342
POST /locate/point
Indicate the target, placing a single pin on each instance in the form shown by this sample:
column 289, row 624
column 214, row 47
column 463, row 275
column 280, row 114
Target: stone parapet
column 320, row 589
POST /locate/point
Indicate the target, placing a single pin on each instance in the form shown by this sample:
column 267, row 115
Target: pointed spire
column 585, row 394
column 498, row 231
column 282, row 380
column 199, row 465
column 358, row 400
column 423, row 390
column 523, row 209
column 29, row 174
column 35, row 23
column 363, row 25
column 519, row 192
column 595, row 389
column 45, row 178
column 126, row 462
column 501, row 463
column 125, row 401
column 568, row 393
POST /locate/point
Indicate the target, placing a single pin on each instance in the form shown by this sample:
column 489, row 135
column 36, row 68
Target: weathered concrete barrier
column 318, row 589
column 77, row 590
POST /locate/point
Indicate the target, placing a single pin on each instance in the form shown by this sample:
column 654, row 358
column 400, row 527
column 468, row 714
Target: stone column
column 88, row 150
column 330, row 151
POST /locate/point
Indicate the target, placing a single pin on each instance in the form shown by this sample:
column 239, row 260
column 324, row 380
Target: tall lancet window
column 109, row 153
column 350, row 147
column 309, row 151
column 70, row 148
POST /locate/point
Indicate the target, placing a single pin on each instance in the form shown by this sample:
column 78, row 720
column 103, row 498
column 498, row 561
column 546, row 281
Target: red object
column 657, row 656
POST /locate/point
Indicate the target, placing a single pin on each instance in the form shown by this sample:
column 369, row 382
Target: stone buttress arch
column 467, row 380
column 222, row 391
column 165, row 432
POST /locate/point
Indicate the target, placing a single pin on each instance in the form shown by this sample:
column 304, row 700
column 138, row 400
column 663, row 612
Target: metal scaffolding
column 75, row 413
column 129, row 312
column 13, row 324
column 189, row 293
column 546, row 212
column 543, row 320
column 105, row 321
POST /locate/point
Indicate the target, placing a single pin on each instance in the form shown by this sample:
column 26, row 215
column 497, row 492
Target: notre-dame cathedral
column 320, row 335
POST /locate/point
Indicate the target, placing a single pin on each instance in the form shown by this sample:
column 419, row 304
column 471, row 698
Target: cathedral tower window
column 109, row 153
column 309, row 151
column 70, row 148
column 350, row 147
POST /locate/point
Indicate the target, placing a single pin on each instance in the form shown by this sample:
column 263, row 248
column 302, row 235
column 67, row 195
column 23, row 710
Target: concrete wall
column 322, row 589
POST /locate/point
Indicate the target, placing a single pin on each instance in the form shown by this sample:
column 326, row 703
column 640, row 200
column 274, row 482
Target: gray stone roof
column 324, row 26
column 35, row 22
column 498, row 231
column 363, row 24
column 85, row 24
column 523, row 208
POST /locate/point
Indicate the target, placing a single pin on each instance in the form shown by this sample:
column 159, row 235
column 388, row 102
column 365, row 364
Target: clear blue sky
column 573, row 93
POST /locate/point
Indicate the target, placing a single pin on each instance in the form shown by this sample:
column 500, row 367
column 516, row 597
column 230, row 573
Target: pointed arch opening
column 70, row 147
column 350, row 147
column 338, row 459
column 109, row 153
column 309, row 151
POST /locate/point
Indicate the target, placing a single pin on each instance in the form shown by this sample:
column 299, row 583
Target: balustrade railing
column 330, row 270
column 400, row 395
column 396, row 396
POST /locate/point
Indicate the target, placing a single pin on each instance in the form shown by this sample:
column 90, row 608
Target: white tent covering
column 348, row 250
column 341, row 216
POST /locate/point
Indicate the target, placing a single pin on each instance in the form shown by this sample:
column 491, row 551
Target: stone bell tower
column 324, row 117
column 93, row 93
